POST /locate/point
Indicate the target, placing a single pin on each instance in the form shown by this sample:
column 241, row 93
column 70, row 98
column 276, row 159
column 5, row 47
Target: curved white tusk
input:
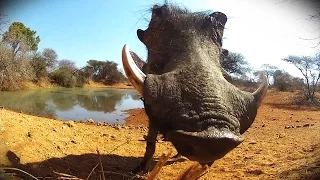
column 134, row 74
column 261, row 91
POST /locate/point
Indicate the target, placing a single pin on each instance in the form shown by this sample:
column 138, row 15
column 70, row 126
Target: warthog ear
column 219, row 19
column 157, row 11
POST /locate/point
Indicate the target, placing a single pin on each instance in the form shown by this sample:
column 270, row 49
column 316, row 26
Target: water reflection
column 100, row 104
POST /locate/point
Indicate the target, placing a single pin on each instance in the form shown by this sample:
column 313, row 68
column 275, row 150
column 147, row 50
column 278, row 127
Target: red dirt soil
column 282, row 143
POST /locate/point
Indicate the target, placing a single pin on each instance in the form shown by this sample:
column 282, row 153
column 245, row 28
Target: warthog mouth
column 207, row 138
column 205, row 146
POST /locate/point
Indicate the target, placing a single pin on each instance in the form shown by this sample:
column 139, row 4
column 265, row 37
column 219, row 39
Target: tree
column 268, row 70
column 105, row 71
column 39, row 66
column 97, row 68
column 3, row 20
column 112, row 74
column 13, row 71
column 282, row 81
column 50, row 57
column 234, row 63
column 43, row 62
column 309, row 66
column 21, row 38
column 68, row 64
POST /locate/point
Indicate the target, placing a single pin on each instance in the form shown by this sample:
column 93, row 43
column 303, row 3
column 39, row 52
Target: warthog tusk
column 134, row 74
column 261, row 91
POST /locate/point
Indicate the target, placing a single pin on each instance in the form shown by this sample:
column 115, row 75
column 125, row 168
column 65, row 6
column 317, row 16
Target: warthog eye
column 157, row 67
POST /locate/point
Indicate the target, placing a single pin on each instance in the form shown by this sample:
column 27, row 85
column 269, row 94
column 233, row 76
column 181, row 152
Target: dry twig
column 194, row 172
column 16, row 169
column 163, row 159
column 92, row 170
column 101, row 167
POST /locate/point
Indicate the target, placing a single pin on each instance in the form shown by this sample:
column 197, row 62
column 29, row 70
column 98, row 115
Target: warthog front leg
column 150, row 149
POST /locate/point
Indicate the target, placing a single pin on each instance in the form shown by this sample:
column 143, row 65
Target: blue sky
column 264, row 31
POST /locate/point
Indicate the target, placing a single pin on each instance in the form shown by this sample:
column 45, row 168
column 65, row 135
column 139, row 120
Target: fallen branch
column 16, row 169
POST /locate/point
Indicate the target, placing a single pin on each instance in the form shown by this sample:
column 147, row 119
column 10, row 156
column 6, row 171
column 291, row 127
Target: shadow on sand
column 115, row 166
column 118, row 167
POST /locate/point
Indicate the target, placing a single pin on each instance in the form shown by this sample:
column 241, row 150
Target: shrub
column 64, row 77
column 283, row 82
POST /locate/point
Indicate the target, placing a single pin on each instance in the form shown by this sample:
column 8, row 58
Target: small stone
column 287, row 127
column 29, row 134
column 99, row 124
column 105, row 135
column 90, row 121
column 312, row 124
column 116, row 127
column 298, row 126
column 306, row 125
column 255, row 172
column 297, row 121
column 74, row 142
column 69, row 123
column 113, row 137
column 263, row 125
column 252, row 142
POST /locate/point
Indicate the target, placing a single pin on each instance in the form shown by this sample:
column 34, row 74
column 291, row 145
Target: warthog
column 186, row 95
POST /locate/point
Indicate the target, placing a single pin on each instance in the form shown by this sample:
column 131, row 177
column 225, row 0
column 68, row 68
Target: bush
column 82, row 77
column 64, row 77
column 283, row 82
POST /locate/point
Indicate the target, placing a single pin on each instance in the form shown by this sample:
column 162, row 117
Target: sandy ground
column 283, row 143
